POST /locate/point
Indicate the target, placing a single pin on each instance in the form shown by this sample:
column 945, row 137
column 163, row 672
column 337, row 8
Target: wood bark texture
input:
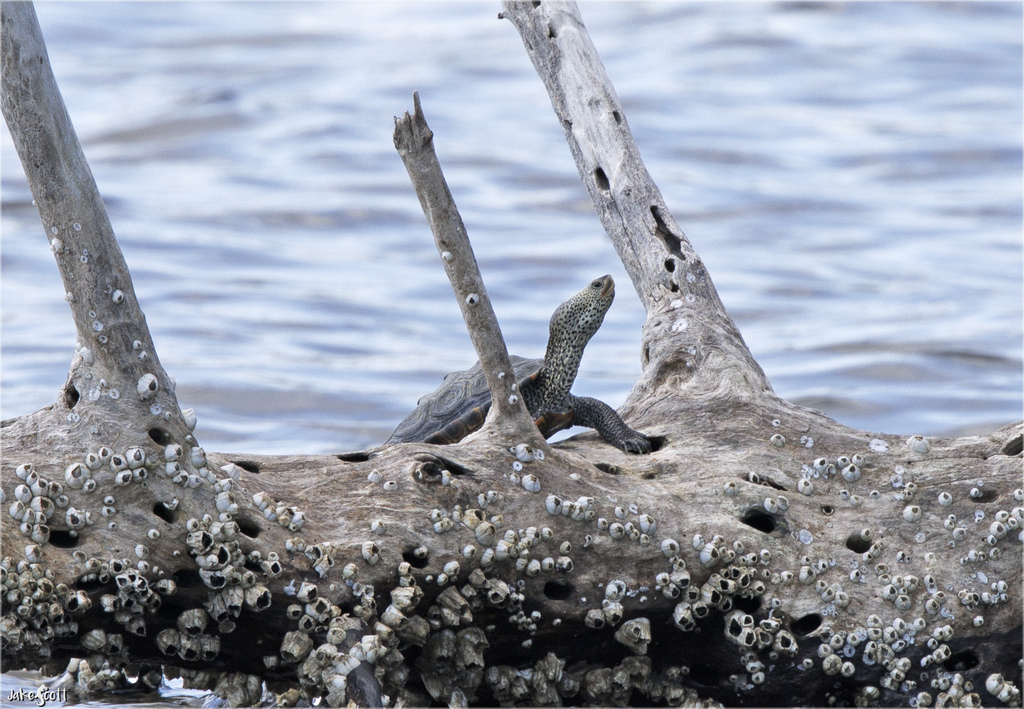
column 763, row 554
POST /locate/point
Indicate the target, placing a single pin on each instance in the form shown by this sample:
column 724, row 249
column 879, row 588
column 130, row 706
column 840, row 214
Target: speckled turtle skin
column 459, row 406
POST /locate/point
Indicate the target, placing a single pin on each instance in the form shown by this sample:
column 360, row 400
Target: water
column 26, row 689
column 851, row 175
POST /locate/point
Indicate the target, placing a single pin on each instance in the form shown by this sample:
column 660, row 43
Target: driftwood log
column 762, row 555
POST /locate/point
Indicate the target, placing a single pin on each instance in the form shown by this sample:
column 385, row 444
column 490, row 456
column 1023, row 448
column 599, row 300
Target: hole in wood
column 356, row 457
column 169, row 610
column 452, row 467
column 674, row 287
column 71, row 395
column 760, row 520
column 855, row 544
column 670, row 265
column 552, row 32
column 62, row 538
column 1013, row 446
column 805, row 624
column 415, row 561
column 248, row 465
column 601, row 179
column 248, row 527
column 747, row 605
column 705, row 675
column 663, row 232
column 90, row 585
column 187, row 578
column 986, row 496
column 169, row 516
column 536, row 3
column 557, row 590
column 617, row 116
column 159, row 436
column 961, row 661
column 759, row 479
column 428, row 471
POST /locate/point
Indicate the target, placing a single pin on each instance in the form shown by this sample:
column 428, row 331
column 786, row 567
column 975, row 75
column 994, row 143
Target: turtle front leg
column 596, row 414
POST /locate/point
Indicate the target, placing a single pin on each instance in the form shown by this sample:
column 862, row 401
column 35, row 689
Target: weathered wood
column 415, row 144
column 684, row 311
column 114, row 348
column 364, row 526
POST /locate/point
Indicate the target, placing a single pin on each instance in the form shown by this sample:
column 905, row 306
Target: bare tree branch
column 414, row 142
column 683, row 309
column 116, row 365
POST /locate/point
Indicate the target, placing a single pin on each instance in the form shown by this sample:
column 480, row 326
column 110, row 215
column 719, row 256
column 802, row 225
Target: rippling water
column 851, row 174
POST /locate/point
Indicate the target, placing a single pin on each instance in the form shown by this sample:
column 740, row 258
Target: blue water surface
column 850, row 173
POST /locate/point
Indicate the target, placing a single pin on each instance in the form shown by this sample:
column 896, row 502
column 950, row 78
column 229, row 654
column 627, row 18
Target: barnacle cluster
column 380, row 613
column 287, row 516
column 124, row 592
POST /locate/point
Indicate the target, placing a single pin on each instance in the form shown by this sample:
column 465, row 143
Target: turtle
column 459, row 406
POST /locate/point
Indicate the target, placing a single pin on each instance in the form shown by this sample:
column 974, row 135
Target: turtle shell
column 457, row 407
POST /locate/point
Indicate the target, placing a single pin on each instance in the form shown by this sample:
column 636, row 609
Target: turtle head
column 577, row 319
column 573, row 324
